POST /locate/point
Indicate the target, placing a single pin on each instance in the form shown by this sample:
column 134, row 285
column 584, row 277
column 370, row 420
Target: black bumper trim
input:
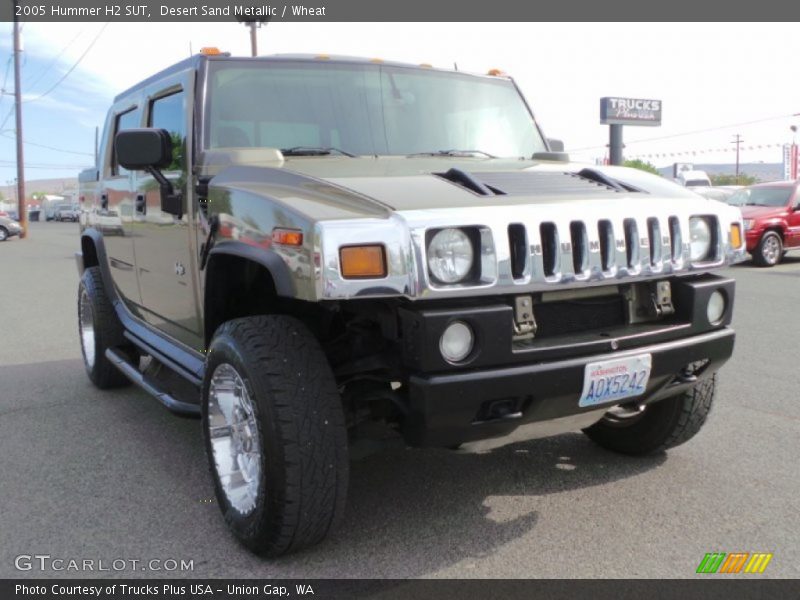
column 443, row 407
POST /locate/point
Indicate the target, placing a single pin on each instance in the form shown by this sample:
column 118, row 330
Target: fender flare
column 274, row 264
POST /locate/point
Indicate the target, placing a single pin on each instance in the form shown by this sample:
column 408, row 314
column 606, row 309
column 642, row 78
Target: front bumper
column 505, row 383
column 449, row 409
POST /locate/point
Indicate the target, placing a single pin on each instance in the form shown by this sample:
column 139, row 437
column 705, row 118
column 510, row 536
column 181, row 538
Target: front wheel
column 274, row 434
column 769, row 251
column 3, row 234
column 660, row 426
column 99, row 329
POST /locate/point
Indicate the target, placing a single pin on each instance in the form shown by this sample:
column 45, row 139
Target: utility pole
column 738, row 142
column 253, row 38
column 253, row 25
column 21, row 209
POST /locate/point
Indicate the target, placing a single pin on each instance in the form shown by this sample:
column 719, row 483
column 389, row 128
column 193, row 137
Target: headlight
column 699, row 238
column 748, row 224
column 450, row 255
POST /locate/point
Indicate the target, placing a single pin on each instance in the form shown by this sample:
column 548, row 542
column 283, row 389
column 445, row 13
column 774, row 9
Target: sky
column 715, row 80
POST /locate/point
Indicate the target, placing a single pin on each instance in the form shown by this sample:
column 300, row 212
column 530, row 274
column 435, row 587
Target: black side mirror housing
column 138, row 149
column 150, row 150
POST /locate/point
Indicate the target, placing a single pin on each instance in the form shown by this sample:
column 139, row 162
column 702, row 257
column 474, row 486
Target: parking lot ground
column 109, row 475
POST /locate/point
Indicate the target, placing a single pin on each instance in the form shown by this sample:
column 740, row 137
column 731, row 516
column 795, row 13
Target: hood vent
column 587, row 182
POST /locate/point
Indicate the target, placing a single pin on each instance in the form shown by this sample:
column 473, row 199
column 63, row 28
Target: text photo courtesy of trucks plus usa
column 382, row 244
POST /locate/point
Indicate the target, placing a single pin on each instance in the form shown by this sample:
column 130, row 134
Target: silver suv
column 316, row 248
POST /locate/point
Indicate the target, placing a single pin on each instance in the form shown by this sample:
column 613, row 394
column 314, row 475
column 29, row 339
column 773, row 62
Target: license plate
column 615, row 380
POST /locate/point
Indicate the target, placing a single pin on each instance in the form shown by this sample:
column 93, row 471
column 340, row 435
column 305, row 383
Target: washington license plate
column 615, row 380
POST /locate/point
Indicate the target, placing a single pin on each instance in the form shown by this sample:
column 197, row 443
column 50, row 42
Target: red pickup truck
column 771, row 213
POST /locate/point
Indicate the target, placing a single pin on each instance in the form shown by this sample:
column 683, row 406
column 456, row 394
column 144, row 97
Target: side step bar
column 132, row 373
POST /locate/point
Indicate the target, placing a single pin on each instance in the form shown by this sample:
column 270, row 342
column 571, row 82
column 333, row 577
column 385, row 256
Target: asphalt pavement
column 91, row 475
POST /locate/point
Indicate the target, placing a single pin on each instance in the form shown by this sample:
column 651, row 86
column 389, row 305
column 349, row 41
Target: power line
column 58, row 54
column 9, row 163
column 71, row 69
column 685, row 133
column 49, row 147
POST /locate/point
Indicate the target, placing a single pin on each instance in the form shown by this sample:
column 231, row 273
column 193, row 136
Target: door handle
column 104, row 201
column 141, row 204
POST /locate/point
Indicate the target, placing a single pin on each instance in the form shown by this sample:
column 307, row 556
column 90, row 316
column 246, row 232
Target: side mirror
column 138, row 149
column 555, row 145
column 150, row 150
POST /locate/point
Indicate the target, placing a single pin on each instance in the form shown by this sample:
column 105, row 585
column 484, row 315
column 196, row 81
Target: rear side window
column 126, row 120
column 168, row 113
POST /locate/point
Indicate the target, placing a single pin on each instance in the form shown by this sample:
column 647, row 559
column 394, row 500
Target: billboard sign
column 630, row 111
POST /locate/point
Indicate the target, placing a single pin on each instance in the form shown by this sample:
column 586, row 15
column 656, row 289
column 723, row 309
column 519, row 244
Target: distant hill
column 57, row 186
column 761, row 171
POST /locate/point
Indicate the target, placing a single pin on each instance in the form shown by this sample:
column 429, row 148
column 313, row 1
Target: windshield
column 763, row 196
column 365, row 109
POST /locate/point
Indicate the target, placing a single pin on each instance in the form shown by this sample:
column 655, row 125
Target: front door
column 113, row 213
column 165, row 253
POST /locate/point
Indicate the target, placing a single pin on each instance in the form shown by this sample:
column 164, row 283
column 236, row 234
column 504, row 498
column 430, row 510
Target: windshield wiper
column 754, row 204
column 314, row 151
column 453, row 152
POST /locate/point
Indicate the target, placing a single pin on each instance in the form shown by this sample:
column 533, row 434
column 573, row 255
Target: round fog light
column 456, row 342
column 715, row 308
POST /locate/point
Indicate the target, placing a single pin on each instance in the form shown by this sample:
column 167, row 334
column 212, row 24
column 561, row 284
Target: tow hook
column 524, row 323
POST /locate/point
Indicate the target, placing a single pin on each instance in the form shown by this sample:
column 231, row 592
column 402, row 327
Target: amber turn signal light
column 287, row 237
column 362, row 261
column 736, row 236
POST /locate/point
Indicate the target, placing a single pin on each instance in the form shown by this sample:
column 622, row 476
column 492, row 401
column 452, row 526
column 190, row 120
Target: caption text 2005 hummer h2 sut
column 304, row 249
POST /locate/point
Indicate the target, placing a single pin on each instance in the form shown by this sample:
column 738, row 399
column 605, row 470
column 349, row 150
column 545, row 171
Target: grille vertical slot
column 675, row 240
column 549, row 235
column 654, row 234
column 518, row 245
column 580, row 246
column 631, row 242
column 607, row 249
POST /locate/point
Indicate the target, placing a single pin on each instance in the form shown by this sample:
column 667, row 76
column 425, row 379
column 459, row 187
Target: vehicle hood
column 366, row 186
column 762, row 212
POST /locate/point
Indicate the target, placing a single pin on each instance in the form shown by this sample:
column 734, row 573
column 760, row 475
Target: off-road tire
column 762, row 256
column 108, row 332
column 301, row 428
column 663, row 424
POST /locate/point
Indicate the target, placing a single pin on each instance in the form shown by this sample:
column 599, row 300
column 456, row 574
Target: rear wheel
column 659, row 426
column 274, row 433
column 99, row 329
column 769, row 251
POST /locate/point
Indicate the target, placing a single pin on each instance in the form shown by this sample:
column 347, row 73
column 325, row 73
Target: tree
column 642, row 166
column 728, row 179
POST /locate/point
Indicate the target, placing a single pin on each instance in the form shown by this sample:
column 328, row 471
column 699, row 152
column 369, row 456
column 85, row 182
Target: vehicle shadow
column 115, row 474
column 435, row 508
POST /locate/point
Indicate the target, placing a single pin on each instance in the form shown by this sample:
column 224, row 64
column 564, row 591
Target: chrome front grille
column 582, row 250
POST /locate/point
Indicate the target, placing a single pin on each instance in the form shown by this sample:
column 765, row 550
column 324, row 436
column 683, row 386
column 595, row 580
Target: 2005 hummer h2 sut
column 308, row 249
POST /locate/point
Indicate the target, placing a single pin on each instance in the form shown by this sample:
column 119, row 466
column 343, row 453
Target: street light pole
column 21, row 212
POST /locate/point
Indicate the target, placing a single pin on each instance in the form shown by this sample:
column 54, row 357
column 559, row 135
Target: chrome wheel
column 771, row 249
column 235, row 442
column 86, row 328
